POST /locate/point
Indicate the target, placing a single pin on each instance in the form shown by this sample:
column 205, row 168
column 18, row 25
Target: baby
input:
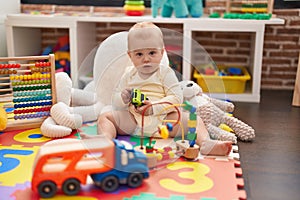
column 160, row 84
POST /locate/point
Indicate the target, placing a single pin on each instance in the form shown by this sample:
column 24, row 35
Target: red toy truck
column 66, row 163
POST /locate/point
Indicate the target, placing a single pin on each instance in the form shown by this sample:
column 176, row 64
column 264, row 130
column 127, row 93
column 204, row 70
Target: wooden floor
column 271, row 163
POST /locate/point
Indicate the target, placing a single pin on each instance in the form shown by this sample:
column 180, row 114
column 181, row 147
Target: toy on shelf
column 134, row 7
column 61, row 50
column 214, row 113
column 223, row 79
column 65, row 164
column 255, row 16
column 249, row 9
column 27, row 90
column 249, row 6
column 181, row 8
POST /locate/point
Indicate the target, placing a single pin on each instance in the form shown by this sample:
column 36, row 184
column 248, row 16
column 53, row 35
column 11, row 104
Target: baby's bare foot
column 215, row 147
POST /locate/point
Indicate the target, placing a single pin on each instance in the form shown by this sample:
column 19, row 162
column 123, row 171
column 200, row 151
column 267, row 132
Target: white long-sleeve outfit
column 162, row 86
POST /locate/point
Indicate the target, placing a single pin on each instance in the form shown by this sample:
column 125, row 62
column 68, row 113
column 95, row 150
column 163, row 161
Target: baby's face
column 146, row 61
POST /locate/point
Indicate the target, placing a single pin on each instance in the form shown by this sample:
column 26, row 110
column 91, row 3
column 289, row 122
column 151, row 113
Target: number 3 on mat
column 198, row 183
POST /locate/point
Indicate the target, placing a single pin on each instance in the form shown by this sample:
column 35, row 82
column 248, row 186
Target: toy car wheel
column 135, row 180
column 71, row 187
column 110, row 184
column 47, row 189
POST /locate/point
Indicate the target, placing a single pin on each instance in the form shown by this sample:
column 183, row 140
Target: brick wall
column 281, row 51
column 281, row 45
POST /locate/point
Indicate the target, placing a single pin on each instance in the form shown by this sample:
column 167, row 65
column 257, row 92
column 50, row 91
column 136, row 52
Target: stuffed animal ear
column 198, row 88
column 190, row 89
column 183, row 84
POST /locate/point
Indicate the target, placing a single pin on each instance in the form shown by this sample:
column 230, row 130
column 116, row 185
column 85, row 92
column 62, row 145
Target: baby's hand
column 145, row 105
column 126, row 95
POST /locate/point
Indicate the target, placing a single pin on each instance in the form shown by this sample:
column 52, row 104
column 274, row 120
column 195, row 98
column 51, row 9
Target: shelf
column 24, row 38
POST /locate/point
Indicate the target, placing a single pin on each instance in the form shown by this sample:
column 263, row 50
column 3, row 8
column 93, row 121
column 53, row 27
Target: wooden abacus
column 27, row 90
column 249, row 6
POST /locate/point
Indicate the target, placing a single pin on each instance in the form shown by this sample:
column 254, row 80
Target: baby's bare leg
column 116, row 122
column 207, row 146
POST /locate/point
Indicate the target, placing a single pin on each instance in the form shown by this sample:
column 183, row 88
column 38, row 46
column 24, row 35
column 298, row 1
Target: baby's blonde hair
column 143, row 25
column 144, row 35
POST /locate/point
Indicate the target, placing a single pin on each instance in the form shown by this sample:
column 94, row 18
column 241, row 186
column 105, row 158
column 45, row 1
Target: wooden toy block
column 188, row 152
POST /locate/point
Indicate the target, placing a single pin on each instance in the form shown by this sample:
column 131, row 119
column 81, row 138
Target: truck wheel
column 47, row 189
column 135, row 180
column 71, row 187
column 110, row 184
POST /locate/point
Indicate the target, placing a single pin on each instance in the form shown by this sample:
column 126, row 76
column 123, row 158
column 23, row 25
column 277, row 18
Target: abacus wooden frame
column 36, row 122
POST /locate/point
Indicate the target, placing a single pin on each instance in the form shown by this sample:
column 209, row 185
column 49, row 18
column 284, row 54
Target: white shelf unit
column 257, row 27
column 23, row 34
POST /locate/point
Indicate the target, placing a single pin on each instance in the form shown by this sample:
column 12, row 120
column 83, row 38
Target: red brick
column 290, row 83
column 209, row 3
column 270, row 82
column 101, row 25
column 108, row 9
column 235, row 36
column 291, row 46
column 238, row 52
column 288, row 30
column 229, row 59
column 295, row 22
column 25, row 8
column 292, row 54
column 271, row 45
column 72, row 9
column 286, row 12
column 265, row 67
column 276, row 61
column 244, row 44
column 282, row 76
column 202, row 34
column 119, row 24
column 284, row 38
column 218, row 43
column 270, row 30
column 214, row 50
column 282, row 69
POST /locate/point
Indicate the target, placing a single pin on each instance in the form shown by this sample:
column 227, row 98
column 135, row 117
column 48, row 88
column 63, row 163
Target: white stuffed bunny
column 213, row 112
column 76, row 106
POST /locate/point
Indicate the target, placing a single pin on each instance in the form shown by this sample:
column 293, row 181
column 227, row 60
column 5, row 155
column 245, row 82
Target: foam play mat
column 207, row 178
